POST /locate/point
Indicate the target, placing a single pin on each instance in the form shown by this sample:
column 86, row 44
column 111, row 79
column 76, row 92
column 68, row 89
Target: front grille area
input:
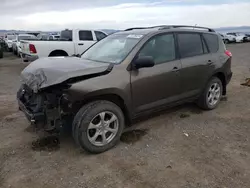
column 34, row 102
column 48, row 109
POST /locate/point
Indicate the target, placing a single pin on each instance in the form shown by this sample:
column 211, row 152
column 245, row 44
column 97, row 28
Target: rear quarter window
column 66, row 35
column 212, row 42
column 190, row 44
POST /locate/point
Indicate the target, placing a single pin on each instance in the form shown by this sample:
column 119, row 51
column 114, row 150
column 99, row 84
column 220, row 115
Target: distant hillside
column 2, row 32
column 244, row 29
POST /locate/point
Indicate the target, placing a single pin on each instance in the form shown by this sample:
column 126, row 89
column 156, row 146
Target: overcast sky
column 120, row 14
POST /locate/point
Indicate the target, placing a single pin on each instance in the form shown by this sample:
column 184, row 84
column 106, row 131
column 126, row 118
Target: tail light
column 228, row 53
column 32, row 48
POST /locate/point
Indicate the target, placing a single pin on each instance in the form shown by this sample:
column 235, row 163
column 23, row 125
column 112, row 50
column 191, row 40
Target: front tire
column 98, row 126
column 14, row 51
column 211, row 96
column 1, row 53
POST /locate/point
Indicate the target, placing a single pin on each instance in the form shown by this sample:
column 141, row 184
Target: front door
column 86, row 39
column 158, row 85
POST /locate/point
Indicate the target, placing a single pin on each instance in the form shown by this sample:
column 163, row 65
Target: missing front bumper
column 34, row 118
column 48, row 120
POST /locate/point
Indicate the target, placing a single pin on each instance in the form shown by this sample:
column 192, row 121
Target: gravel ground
column 181, row 148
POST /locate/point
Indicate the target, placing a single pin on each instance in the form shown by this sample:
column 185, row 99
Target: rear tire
column 58, row 53
column 227, row 41
column 14, row 51
column 211, row 96
column 1, row 54
column 98, row 126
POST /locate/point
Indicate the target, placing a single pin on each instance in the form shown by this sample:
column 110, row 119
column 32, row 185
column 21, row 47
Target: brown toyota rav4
column 124, row 76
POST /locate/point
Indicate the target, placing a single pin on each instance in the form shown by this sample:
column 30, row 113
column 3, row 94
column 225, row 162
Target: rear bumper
column 229, row 77
column 28, row 57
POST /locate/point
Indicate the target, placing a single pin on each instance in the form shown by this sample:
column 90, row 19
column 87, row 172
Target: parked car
column 72, row 42
column 54, row 37
column 228, row 38
column 1, row 51
column 124, row 76
column 3, row 44
column 16, row 43
column 9, row 41
column 33, row 33
column 43, row 36
column 248, row 37
column 240, row 37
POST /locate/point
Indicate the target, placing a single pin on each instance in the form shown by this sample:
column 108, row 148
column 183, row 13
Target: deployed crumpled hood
column 46, row 72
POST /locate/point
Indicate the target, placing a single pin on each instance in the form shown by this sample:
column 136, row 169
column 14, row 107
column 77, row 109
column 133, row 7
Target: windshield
column 112, row 49
column 11, row 37
column 25, row 37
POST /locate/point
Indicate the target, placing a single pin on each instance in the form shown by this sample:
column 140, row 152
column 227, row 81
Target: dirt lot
column 182, row 148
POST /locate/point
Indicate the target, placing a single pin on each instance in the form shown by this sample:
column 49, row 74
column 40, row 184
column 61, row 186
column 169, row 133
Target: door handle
column 80, row 44
column 175, row 69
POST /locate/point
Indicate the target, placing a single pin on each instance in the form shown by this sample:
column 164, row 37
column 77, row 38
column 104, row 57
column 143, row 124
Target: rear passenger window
column 85, row 35
column 212, row 42
column 190, row 44
column 204, row 47
column 161, row 48
column 66, row 35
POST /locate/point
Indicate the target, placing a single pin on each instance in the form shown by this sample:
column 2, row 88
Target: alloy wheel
column 214, row 93
column 103, row 128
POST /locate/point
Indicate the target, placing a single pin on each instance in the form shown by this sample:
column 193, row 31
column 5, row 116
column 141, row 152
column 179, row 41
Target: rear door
column 197, row 63
column 85, row 40
column 158, row 85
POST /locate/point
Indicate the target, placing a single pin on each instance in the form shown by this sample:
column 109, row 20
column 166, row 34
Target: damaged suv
column 122, row 77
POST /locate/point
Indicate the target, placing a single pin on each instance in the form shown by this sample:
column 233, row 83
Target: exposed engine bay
column 48, row 110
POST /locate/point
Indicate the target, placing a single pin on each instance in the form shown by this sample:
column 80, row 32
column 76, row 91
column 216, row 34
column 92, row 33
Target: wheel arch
column 222, row 78
column 56, row 52
column 111, row 97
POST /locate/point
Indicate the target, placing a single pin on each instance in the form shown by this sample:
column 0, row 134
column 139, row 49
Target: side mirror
column 144, row 61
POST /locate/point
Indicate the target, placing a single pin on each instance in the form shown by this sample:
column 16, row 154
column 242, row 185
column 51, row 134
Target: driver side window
column 161, row 48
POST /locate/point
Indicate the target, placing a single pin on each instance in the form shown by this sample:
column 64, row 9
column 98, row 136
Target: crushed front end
column 48, row 109
column 45, row 83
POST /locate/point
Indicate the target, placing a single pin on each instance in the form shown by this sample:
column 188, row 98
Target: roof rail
column 151, row 27
column 130, row 29
column 171, row 26
column 187, row 26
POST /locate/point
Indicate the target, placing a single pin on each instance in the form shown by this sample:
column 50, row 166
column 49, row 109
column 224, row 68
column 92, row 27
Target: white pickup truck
column 71, row 42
